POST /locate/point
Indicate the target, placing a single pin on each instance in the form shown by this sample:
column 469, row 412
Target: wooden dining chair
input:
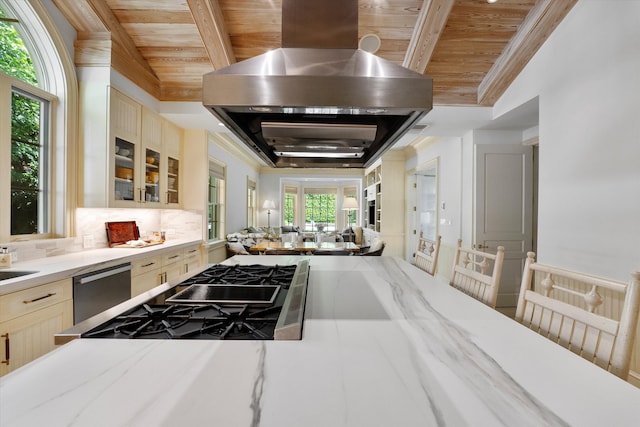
column 562, row 305
column 478, row 273
column 426, row 257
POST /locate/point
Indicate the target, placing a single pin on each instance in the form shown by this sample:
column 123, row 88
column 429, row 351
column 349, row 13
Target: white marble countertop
column 62, row 266
column 383, row 344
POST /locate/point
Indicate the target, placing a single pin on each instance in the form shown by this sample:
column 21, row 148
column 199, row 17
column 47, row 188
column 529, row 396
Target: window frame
column 321, row 190
column 44, row 161
column 217, row 171
column 252, row 201
column 290, row 192
column 9, row 85
column 57, row 82
column 351, row 217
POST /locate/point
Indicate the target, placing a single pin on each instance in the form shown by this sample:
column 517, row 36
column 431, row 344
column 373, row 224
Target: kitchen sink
column 4, row 275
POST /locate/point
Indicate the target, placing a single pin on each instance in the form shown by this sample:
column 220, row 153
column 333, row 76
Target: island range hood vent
column 318, row 101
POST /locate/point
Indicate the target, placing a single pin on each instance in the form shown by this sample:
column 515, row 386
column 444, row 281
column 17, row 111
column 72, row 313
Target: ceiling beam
column 431, row 21
column 98, row 25
column 536, row 28
column 208, row 17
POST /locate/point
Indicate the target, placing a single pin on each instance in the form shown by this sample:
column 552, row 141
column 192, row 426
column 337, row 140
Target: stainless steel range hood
column 318, row 101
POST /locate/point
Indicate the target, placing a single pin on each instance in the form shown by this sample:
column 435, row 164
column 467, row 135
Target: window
column 320, row 209
column 38, row 96
column 290, row 203
column 29, row 164
column 216, row 202
column 29, row 137
column 351, row 215
column 252, row 215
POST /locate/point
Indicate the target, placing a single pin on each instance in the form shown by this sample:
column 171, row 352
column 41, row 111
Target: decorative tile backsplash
column 90, row 230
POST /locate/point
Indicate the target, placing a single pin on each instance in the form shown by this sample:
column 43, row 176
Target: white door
column 503, row 211
column 411, row 241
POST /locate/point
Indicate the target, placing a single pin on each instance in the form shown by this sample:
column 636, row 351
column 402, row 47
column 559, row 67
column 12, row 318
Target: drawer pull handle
column 192, row 251
column 175, row 256
column 6, row 349
column 148, row 265
column 39, row 298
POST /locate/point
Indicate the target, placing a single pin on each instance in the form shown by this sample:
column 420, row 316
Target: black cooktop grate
column 160, row 318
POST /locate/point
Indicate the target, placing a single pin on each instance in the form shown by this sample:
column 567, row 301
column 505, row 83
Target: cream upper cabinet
column 140, row 166
column 29, row 319
column 125, row 116
column 154, row 164
column 172, row 149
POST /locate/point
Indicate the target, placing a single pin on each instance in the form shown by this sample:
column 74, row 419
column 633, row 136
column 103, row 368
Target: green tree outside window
column 28, row 150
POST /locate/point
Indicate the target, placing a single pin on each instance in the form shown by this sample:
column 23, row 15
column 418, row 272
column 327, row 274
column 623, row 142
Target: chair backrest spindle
column 602, row 340
column 426, row 256
column 471, row 273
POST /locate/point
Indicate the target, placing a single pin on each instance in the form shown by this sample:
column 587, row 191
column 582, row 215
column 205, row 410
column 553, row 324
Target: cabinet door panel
column 31, row 336
column 144, row 282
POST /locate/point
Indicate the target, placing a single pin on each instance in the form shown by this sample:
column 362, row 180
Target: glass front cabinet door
column 153, row 169
column 173, row 183
column 125, row 172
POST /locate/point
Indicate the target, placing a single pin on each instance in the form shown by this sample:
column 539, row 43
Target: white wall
column 588, row 83
column 236, row 187
column 587, row 77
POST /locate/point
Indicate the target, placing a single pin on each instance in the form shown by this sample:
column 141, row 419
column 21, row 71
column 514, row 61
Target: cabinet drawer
column 171, row 258
column 29, row 300
column 191, row 254
column 145, row 265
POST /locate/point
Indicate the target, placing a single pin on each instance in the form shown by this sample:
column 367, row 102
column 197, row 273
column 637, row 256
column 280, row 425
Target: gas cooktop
column 230, row 302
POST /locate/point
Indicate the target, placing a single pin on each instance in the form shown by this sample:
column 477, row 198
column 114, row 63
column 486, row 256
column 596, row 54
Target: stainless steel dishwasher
column 100, row 290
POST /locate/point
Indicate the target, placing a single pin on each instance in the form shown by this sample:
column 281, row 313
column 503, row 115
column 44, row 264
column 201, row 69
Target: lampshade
column 268, row 204
column 349, row 204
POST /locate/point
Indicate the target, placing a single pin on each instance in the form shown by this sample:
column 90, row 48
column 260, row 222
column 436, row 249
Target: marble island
column 383, row 344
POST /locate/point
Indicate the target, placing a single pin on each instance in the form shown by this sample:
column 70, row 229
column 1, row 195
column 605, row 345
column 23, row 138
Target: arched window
column 38, row 93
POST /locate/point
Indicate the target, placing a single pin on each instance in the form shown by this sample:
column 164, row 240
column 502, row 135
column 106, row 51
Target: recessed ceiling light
column 491, row 1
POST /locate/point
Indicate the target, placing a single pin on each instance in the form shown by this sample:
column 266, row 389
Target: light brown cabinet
column 192, row 259
column 152, row 271
column 30, row 318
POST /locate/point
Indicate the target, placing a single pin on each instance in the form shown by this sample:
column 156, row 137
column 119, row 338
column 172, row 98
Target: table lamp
column 268, row 205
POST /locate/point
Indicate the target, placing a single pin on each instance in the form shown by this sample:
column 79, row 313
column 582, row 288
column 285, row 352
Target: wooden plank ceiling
column 471, row 49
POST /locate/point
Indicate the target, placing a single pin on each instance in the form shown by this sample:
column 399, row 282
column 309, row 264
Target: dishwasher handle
column 105, row 273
